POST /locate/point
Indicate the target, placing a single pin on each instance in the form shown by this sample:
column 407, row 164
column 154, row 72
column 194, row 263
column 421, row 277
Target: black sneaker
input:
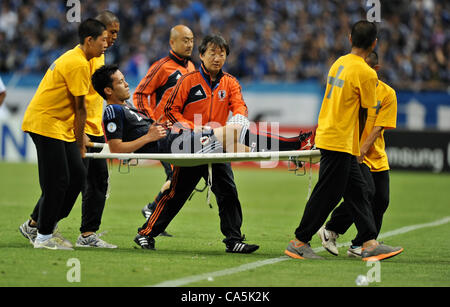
column 146, row 211
column 145, row 242
column 241, row 248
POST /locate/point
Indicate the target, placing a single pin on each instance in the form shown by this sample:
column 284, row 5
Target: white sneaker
column 28, row 231
column 52, row 243
column 64, row 241
column 328, row 239
column 93, row 241
column 354, row 252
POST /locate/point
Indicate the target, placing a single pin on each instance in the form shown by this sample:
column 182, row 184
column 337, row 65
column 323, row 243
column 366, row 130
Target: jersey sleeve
column 387, row 117
column 237, row 104
column 78, row 80
column 113, row 122
column 159, row 110
column 148, row 85
column 368, row 92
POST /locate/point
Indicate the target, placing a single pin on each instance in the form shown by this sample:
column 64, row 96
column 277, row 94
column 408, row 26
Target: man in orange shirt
column 350, row 91
column 374, row 167
column 203, row 100
column 128, row 130
column 158, row 83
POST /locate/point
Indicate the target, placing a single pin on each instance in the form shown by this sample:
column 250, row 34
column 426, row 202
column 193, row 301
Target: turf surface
column 272, row 201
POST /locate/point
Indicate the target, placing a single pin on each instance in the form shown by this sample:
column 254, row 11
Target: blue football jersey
column 125, row 122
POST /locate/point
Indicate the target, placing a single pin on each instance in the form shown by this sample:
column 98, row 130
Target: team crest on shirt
column 111, row 127
column 222, row 94
column 204, row 140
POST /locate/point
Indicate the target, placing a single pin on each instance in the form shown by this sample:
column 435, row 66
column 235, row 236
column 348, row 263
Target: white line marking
column 253, row 265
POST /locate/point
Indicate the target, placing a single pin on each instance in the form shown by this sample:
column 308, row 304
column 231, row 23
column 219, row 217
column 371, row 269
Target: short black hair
column 90, row 27
column 373, row 59
column 364, row 33
column 107, row 17
column 216, row 40
column 101, row 78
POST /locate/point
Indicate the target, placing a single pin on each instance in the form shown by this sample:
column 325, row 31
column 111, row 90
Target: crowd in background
column 270, row 40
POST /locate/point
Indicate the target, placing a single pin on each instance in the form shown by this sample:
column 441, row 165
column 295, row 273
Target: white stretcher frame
column 183, row 159
column 189, row 160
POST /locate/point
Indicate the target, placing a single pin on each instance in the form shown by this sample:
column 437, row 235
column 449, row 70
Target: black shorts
column 185, row 142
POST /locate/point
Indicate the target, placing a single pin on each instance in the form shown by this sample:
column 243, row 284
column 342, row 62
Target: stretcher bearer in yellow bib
column 55, row 120
column 350, row 92
column 374, row 167
column 96, row 188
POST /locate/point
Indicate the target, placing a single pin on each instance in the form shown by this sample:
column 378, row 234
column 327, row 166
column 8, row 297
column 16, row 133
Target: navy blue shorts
column 185, row 142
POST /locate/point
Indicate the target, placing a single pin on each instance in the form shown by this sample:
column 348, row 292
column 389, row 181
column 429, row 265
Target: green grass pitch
column 272, row 202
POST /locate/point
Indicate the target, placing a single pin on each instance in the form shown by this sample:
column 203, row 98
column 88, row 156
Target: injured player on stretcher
column 127, row 130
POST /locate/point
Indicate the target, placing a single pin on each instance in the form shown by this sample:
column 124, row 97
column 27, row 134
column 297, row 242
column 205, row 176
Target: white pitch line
column 256, row 264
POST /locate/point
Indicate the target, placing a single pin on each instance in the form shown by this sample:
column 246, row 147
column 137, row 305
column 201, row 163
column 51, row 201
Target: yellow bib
column 51, row 111
column 351, row 85
column 384, row 114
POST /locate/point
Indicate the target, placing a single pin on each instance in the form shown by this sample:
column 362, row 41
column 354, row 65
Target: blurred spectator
column 273, row 40
column 3, row 110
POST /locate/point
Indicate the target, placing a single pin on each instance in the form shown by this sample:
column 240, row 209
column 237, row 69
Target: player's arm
column 155, row 132
column 80, row 122
column 368, row 98
column 78, row 81
column 386, row 119
column 174, row 105
column 113, row 120
column 373, row 135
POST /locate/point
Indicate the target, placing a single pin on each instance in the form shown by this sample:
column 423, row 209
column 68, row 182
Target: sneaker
column 241, row 248
column 306, row 140
column 298, row 250
column 380, row 252
column 328, row 239
column 64, row 241
column 28, row 231
column 145, row 242
column 52, row 243
column 146, row 211
column 354, row 251
column 93, row 240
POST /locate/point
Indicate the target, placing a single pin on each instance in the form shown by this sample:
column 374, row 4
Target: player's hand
column 165, row 124
column 360, row 159
column 82, row 146
column 156, row 132
column 87, row 140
